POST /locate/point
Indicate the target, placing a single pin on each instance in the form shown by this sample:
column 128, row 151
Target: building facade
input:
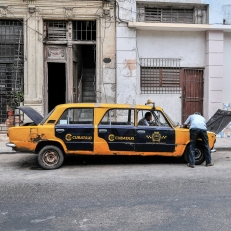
column 176, row 53
column 55, row 52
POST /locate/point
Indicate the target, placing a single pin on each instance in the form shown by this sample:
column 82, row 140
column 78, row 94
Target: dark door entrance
column 193, row 85
column 56, row 84
column 89, row 77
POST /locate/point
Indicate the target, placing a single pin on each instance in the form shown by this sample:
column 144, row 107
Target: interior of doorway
column 56, row 84
column 85, row 72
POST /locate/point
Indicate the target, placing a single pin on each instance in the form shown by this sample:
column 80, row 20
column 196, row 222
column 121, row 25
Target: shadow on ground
column 31, row 161
column 120, row 160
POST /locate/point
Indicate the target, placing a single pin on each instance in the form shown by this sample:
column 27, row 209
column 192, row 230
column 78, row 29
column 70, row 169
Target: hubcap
column 50, row 158
column 197, row 154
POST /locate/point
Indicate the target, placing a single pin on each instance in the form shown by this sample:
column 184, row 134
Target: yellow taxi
column 101, row 129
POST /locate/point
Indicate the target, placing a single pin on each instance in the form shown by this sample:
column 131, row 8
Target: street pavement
column 222, row 144
column 115, row 193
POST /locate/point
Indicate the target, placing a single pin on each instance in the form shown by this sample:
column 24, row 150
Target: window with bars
column 11, row 65
column 172, row 14
column 160, row 76
column 56, row 30
column 84, row 30
column 169, row 15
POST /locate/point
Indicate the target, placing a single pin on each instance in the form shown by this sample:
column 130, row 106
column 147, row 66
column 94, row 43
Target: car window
column 77, row 116
column 118, row 117
column 158, row 119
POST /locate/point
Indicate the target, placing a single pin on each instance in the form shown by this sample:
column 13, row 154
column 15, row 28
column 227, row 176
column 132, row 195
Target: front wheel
column 50, row 157
column 199, row 154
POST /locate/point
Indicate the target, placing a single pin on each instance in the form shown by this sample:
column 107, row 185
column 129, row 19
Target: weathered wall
column 35, row 88
column 125, row 53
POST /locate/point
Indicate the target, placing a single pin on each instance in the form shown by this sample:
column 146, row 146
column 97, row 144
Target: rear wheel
column 50, row 157
column 199, row 154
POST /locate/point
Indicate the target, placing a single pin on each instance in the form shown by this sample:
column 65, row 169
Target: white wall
column 187, row 46
column 170, row 103
column 227, row 69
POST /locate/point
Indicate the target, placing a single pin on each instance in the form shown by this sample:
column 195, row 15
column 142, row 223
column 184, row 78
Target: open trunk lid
column 31, row 113
column 219, row 121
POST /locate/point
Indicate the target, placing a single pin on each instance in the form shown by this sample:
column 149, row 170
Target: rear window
column 77, row 116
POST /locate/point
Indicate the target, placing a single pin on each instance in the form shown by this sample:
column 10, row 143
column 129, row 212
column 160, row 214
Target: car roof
column 107, row 105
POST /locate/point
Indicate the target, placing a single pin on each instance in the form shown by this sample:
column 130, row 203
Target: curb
column 223, row 149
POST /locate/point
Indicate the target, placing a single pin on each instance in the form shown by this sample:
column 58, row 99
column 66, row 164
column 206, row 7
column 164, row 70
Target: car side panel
column 26, row 138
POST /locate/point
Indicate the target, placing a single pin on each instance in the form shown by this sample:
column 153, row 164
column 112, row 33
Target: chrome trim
column 11, row 145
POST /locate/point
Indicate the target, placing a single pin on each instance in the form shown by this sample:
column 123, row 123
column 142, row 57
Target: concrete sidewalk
column 222, row 144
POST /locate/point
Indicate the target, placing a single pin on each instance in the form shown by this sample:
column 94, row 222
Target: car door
column 157, row 138
column 118, row 130
column 76, row 129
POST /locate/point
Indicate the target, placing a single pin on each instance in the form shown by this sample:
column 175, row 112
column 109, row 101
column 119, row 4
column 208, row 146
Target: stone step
column 88, row 93
column 86, row 77
column 89, row 70
column 86, row 99
column 88, row 88
column 88, row 84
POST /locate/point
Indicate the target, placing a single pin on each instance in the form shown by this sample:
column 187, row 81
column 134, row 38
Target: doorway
column 89, row 75
column 193, row 91
column 56, row 84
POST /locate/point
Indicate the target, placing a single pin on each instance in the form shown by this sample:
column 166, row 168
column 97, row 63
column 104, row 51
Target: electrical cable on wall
column 24, row 22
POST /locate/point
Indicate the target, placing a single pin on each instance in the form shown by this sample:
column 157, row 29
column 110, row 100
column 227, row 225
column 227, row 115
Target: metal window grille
column 160, row 76
column 171, row 14
column 84, row 30
column 11, row 65
column 56, row 30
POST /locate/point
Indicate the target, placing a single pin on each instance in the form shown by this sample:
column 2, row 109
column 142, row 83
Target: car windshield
column 46, row 117
column 171, row 121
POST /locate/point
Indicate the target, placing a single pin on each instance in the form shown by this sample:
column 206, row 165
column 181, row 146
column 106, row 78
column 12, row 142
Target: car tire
column 199, row 154
column 50, row 157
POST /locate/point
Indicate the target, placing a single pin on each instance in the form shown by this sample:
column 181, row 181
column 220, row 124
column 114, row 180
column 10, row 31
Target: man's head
column 148, row 116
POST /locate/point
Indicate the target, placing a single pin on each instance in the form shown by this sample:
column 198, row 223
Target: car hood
column 31, row 113
column 219, row 121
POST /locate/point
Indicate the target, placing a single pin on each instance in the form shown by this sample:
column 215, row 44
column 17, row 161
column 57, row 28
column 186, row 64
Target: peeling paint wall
column 126, row 82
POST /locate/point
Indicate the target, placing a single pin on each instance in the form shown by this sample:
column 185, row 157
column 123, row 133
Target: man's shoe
column 210, row 164
column 191, row 165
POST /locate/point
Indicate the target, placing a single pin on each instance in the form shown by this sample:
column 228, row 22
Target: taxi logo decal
column 70, row 137
column 156, row 137
column 112, row 138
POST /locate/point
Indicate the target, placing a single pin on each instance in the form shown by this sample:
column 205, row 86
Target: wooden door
column 193, row 92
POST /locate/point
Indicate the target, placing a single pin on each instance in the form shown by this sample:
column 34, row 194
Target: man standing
column 198, row 129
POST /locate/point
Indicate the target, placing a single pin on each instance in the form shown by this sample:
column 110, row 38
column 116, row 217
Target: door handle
column 141, row 131
column 60, row 130
column 102, row 130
